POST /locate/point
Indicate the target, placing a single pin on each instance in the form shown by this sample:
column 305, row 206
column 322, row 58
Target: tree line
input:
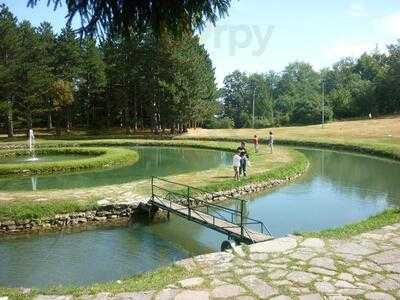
column 351, row 88
column 135, row 81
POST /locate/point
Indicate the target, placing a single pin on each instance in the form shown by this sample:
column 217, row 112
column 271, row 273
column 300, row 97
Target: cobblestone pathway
column 366, row 266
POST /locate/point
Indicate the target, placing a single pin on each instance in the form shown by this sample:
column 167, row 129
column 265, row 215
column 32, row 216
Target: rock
column 301, row 277
column 322, row 271
column 386, row 257
column 313, row 243
column 192, row 295
column 352, row 248
column 258, row 287
column 378, row 296
column 323, row 262
column 259, row 256
column 100, row 296
column 276, row 245
column 302, row 254
column 167, row 294
column 395, row 268
column 344, row 284
column 277, row 274
column 281, row 297
column 346, row 277
column 52, row 297
column 227, row 291
column 191, row 282
column 252, row 270
column 188, row 264
column 104, row 202
column 357, row 271
column 339, row 297
column 365, row 286
column 324, row 287
column 310, row 297
column 351, row 292
column 388, row 285
column 134, row 296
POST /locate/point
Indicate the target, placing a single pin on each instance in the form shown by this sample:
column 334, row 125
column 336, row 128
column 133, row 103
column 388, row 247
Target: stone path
column 366, row 266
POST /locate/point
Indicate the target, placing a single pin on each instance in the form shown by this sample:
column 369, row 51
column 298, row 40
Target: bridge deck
column 249, row 236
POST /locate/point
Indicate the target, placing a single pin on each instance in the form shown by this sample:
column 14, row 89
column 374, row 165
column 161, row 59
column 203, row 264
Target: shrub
column 219, row 123
column 259, row 123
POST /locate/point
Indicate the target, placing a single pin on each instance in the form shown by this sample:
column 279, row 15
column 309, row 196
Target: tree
column 92, row 80
column 9, row 44
column 235, row 98
column 389, row 88
column 47, row 47
column 68, row 61
column 29, row 72
column 63, row 97
column 300, row 86
column 113, row 16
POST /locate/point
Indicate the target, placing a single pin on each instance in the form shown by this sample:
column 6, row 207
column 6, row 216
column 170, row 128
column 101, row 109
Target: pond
column 339, row 188
column 153, row 161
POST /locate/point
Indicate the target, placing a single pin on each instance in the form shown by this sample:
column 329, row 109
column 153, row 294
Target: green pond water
column 153, row 161
column 339, row 188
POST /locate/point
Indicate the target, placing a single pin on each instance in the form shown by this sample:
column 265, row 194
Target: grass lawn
column 376, row 135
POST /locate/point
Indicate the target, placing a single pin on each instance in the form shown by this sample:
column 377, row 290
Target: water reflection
column 157, row 161
column 339, row 188
column 34, row 183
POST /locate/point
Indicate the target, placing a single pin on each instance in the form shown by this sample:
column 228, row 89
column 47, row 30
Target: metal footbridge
column 198, row 206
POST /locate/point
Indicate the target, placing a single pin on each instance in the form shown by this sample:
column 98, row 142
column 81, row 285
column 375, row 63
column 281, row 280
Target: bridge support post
column 188, row 201
column 241, row 216
column 152, row 188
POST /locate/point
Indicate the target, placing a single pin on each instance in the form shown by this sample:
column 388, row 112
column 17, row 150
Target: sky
column 263, row 35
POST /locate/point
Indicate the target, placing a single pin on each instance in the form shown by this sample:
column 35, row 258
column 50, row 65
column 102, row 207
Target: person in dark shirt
column 243, row 158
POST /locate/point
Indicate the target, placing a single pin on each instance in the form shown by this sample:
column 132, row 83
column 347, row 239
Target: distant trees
column 352, row 88
column 132, row 81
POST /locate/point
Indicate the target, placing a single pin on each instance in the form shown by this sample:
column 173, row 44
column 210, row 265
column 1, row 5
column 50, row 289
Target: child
column 255, row 142
column 271, row 141
column 236, row 164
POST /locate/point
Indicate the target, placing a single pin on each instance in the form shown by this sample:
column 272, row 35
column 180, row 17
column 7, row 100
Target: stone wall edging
column 104, row 214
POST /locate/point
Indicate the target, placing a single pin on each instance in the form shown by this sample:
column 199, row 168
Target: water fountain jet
column 31, row 143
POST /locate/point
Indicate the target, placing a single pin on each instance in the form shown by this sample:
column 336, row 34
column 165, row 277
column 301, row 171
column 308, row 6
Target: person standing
column 271, row 141
column 236, row 165
column 243, row 158
column 255, row 142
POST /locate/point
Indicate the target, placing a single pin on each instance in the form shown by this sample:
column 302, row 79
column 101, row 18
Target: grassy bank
column 155, row 280
column 40, row 210
column 101, row 157
column 388, row 217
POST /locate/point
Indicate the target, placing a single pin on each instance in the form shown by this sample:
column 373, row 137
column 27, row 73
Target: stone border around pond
column 104, row 213
column 102, row 158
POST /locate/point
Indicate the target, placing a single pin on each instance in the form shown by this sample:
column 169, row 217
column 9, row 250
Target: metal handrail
column 244, row 221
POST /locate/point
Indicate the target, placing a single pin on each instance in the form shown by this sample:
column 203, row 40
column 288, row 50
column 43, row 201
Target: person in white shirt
column 236, row 164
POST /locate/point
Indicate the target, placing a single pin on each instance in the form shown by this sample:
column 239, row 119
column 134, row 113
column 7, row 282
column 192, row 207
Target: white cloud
column 343, row 49
column 357, row 9
column 389, row 24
